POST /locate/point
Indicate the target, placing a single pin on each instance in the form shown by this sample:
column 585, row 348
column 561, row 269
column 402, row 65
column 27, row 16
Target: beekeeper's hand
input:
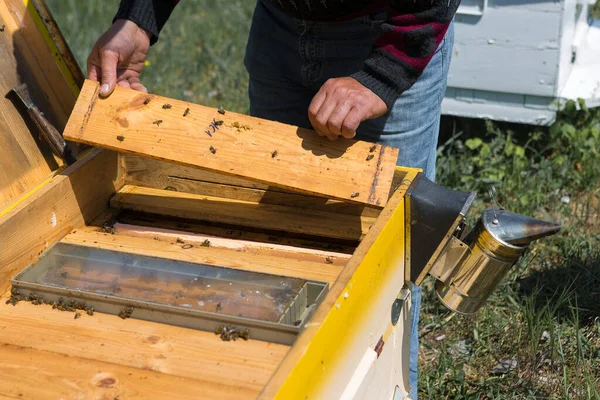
column 118, row 57
column 341, row 105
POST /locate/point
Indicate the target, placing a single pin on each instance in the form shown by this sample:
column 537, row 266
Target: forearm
column 402, row 52
column 151, row 15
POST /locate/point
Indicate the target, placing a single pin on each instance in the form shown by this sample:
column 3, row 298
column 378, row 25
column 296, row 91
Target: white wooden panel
column 567, row 34
column 512, row 48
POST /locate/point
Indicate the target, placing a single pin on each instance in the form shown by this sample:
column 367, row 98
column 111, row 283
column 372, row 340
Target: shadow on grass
column 576, row 279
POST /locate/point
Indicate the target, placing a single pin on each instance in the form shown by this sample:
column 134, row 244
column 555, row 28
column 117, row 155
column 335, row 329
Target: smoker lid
column 516, row 229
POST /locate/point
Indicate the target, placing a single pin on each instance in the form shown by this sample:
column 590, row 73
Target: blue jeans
column 289, row 60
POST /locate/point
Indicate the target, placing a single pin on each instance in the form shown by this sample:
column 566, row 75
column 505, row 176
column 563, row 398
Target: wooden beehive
column 136, row 205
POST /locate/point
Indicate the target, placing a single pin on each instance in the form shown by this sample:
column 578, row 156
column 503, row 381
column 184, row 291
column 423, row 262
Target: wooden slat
column 235, row 232
column 70, row 199
column 26, row 373
column 141, row 171
column 242, row 213
column 240, row 367
column 218, row 242
column 242, row 146
column 294, row 267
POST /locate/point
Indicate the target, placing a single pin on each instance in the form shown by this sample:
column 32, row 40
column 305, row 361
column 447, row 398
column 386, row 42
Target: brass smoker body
column 465, row 286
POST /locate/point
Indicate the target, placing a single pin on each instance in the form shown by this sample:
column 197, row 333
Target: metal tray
column 199, row 296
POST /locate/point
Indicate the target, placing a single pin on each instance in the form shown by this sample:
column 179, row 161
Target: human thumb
column 109, row 61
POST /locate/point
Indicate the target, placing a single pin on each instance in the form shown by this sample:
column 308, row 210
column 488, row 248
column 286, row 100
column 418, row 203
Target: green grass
column 545, row 314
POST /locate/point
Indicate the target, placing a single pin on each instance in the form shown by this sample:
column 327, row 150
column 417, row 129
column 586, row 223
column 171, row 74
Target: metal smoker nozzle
column 517, row 229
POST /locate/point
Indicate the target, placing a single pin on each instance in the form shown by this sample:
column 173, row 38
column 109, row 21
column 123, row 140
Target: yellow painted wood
column 67, row 73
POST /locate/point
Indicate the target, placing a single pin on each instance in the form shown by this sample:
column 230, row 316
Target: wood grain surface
column 234, row 144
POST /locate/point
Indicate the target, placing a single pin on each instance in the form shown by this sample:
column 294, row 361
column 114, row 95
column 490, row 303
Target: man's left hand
column 341, row 105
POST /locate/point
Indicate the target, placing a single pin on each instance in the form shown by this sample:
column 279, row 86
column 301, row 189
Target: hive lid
column 32, row 51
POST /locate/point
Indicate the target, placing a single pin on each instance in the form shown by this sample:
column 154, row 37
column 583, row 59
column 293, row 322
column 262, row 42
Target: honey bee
column 329, row 260
column 212, row 150
column 147, row 100
column 167, row 106
column 274, row 154
column 186, row 112
column 77, row 315
column 372, row 148
column 354, row 194
column 370, row 157
column 158, row 122
column 206, row 243
column 221, row 111
column 120, row 138
column 126, row 312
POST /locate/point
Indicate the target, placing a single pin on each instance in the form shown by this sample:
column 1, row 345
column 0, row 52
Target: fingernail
column 104, row 89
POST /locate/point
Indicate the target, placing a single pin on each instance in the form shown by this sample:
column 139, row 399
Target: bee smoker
column 467, row 265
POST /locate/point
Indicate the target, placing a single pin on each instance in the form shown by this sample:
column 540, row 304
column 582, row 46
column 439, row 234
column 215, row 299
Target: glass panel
column 193, row 286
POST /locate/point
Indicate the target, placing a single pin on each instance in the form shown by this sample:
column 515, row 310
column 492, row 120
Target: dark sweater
column 410, row 37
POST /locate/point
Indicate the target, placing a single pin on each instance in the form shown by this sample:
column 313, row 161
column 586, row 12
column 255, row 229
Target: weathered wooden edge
column 54, row 38
column 67, row 201
column 318, row 324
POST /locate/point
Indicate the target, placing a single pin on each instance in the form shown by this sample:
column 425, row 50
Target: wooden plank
column 155, row 221
column 242, row 213
column 243, row 146
column 26, row 373
column 238, row 368
column 71, row 198
column 141, row 171
column 321, row 360
column 218, row 242
column 269, row 264
column 37, row 62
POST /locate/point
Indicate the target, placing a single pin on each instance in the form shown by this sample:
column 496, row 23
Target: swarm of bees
column 228, row 333
column 61, row 304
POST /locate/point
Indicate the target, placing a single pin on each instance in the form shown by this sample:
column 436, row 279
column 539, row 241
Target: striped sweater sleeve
column 150, row 15
column 409, row 40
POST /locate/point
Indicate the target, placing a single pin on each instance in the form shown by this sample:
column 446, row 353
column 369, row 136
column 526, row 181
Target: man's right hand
column 118, row 57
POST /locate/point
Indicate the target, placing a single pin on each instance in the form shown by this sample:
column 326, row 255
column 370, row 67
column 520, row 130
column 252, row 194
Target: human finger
column 108, row 61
